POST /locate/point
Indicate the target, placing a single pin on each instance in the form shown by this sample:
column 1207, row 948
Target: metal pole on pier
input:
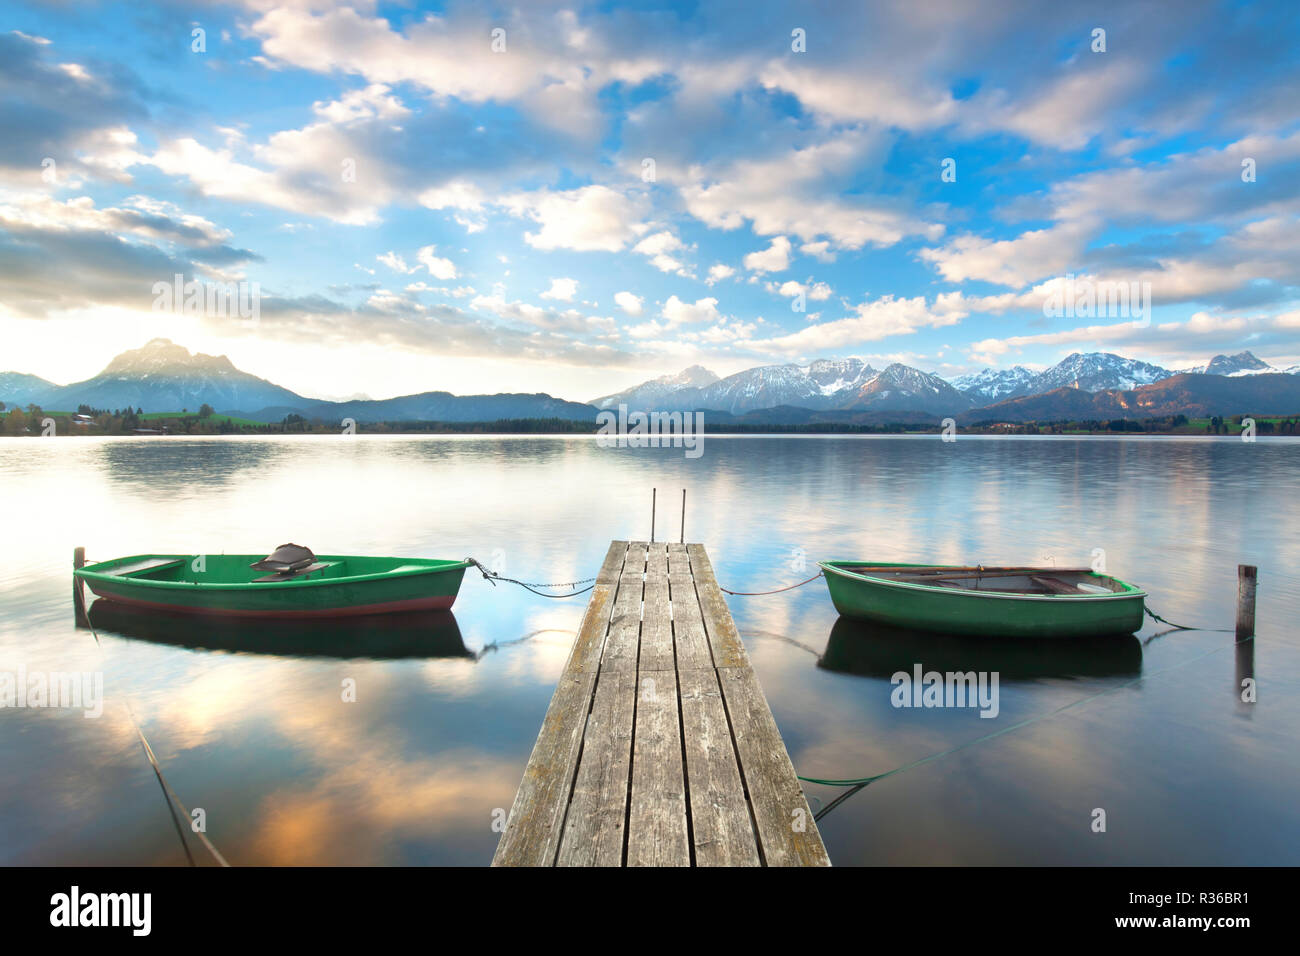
column 653, row 492
column 682, row 540
column 1246, row 576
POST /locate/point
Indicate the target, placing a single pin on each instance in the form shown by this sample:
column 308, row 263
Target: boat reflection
column 413, row 634
column 877, row 650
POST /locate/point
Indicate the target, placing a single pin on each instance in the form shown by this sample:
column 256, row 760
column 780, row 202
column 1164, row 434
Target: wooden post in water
column 1246, row 575
column 682, row 539
column 78, row 589
column 653, row 492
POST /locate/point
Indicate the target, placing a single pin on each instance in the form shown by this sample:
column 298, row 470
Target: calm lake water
column 446, row 715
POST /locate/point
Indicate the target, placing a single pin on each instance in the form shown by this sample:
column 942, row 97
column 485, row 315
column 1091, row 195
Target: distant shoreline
column 168, row 424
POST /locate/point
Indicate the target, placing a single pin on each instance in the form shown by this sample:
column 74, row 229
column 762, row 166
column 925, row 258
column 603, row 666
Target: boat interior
column 1046, row 582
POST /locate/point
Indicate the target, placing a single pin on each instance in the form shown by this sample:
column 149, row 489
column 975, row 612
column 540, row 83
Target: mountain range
column 850, row 385
column 162, row 376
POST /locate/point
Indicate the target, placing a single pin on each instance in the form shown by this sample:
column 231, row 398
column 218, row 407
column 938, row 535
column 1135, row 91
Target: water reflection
column 413, row 770
column 876, row 650
column 414, row 634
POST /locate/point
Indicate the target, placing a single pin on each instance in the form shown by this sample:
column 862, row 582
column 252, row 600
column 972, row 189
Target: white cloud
column 629, row 303
column 775, row 258
column 718, row 272
column 677, row 312
column 1009, row 262
column 561, row 289
column 394, row 262
column 818, row 291
column 657, row 247
column 588, row 219
column 438, row 267
column 873, row 320
column 567, row 320
column 800, row 193
column 818, row 250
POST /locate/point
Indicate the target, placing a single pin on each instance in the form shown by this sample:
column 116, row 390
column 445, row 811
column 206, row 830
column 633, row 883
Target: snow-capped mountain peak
column 1243, row 363
column 837, row 375
column 1095, row 371
column 696, row 375
column 994, row 384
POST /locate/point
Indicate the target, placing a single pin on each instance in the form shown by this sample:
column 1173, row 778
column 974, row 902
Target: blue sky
column 608, row 192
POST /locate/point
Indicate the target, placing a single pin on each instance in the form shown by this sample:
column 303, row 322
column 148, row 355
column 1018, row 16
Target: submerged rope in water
column 862, row 781
column 168, row 792
column 497, row 645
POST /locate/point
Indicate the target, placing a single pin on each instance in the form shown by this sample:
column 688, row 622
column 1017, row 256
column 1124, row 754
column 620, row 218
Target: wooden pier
column 658, row 748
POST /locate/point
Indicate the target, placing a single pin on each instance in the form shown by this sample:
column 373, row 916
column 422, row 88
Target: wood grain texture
column 720, row 824
column 623, row 643
column 678, row 560
column 786, row 831
column 594, row 831
column 724, row 639
column 657, row 832
column 657, row 621
column 689, row 639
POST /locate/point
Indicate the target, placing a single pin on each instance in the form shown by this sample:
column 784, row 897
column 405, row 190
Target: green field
column 156, row 416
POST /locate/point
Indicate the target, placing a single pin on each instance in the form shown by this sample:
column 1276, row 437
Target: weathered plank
column 622, row 645
column 689, row 639
column 657, row 828
column 724, row 639
column 656, row 558
column 786, row 831
column 533, row 828
column 720, row 824
column 678, row 560
column 612, row 566
column 656, row 620
column 636, row 556
column 594, row 826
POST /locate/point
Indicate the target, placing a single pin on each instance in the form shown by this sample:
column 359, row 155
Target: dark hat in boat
column 286, row 559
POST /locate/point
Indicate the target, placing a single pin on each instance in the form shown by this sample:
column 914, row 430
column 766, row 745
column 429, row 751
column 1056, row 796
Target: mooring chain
column 492, row 577
column 774, row 591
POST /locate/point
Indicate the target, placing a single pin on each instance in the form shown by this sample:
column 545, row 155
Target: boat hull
column 211, row 586
column 981, row 614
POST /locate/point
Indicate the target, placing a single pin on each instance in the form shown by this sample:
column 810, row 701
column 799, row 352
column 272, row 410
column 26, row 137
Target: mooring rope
column 862, row 781
column 773, row 591
column 1185, row 627
column 157, row 768
column 492, row 577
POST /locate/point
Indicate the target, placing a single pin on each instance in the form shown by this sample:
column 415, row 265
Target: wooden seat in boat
column 139, row 567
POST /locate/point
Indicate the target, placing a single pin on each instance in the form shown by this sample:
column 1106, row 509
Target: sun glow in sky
column 601, row 193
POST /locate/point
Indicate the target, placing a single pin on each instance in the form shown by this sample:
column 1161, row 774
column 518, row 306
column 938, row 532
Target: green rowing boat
column 986, row 602
column 300, row 584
